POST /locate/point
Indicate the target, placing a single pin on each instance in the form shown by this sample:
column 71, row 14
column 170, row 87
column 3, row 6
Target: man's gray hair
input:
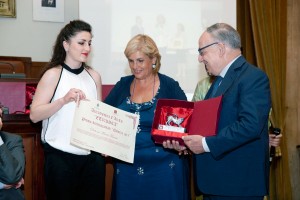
column 226, row 34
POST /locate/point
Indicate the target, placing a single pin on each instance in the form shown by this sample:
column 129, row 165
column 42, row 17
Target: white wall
column 21, row 36
column 112, row 21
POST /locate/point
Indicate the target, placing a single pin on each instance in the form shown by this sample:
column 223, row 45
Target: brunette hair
column 67, row 32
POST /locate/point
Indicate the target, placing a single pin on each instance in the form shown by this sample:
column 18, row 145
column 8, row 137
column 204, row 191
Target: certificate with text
column 105, row 129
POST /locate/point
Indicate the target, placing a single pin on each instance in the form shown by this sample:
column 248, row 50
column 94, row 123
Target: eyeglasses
column 200, row 50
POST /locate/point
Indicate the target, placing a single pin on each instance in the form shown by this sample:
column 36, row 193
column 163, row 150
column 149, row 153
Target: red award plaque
column 176, row 118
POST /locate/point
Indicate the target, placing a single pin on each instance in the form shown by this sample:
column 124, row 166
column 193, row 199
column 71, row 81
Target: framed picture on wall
column 8, row 8
column 48, row 10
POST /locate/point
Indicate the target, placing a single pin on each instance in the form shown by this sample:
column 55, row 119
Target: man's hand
column 194, row 143
column 16, row 185
column 19, row 184
column 274, row 140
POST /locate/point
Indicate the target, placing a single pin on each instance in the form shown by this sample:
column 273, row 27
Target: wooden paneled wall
column 36, row 69
column 292, row 127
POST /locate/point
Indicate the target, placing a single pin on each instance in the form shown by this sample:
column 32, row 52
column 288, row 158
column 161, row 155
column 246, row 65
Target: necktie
column 215, row 85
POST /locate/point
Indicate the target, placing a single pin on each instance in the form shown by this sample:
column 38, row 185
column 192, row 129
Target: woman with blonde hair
column 156, row 173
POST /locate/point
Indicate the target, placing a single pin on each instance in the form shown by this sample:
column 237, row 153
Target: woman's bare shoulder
column 96, row 75
column 51, row 75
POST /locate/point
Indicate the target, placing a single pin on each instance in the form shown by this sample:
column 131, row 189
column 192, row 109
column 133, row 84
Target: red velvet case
column 203, row 120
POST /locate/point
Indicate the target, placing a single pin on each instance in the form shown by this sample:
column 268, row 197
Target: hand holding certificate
column 105, row 129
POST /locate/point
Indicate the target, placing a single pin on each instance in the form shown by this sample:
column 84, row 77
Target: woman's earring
column 153, row 66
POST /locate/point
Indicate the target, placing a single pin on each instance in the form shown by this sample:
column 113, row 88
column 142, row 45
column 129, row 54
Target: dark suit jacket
column 238, row 162
column 12, row 162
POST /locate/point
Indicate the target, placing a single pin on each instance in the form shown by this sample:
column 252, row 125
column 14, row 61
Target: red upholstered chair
column 105, row 90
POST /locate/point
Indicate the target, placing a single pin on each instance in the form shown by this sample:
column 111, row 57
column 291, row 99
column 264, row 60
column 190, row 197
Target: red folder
column 204, row 119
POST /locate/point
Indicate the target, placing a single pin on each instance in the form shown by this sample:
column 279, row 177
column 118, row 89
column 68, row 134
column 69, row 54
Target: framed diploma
column 105, row 129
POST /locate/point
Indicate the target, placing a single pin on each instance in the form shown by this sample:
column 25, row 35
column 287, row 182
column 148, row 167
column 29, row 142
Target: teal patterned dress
column 156, row 173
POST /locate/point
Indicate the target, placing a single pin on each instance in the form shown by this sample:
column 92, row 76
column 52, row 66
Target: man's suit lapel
column 232, row 74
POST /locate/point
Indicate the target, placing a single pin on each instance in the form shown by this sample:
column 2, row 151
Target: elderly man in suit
column 12, row 165
column 234, row 164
